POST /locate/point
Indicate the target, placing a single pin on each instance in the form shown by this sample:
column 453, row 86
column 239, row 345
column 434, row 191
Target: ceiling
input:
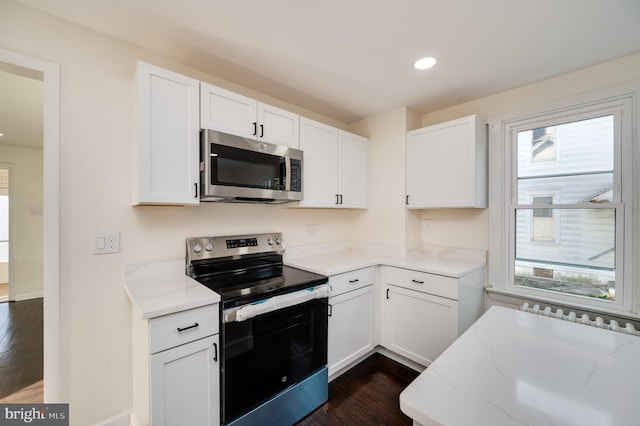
column 351, row 59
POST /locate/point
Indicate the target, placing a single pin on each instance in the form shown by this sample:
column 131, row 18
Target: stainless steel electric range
column 273, row 328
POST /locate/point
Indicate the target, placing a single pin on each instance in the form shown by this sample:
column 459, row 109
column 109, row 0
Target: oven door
column 264, row 355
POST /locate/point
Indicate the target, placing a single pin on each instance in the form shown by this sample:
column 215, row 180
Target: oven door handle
column 244, row 312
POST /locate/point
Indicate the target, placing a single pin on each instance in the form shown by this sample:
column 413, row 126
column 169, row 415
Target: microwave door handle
column 287, row 170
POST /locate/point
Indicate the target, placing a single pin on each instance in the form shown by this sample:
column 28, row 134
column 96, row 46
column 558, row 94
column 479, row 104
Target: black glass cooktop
column 251, row 283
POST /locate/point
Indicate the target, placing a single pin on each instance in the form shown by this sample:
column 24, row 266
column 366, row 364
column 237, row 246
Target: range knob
column 197, row 248
column 270, row 241
column 278, row 241
column 208, row 246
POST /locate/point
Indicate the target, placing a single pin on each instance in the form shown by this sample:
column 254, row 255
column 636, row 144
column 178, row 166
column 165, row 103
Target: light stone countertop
column 163, row 288
column 519, row 368
column 332, row 260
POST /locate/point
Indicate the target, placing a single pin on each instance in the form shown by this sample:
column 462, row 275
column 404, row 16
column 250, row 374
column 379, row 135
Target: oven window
column 240, row 167
column 265, row 355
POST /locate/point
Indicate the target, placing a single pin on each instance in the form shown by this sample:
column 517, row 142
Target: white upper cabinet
column 278, row 126
column 319, row 144
column 167, row 151
column 336, row 167
column 447, row 165
column 353, row 170
column 240, row 115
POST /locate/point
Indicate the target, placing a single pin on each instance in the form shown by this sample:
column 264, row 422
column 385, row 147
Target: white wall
column 469, row 228
column 26, row 237
column 96, row 144
column 387, row 221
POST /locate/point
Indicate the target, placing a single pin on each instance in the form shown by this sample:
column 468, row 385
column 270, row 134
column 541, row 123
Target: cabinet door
column 418, row 326
column 168, row 137
column 278, row 126
column 185, row 383
column 319, row 143
column 227, row 111
column 353, row 170
column 446, row 165
column 351, row 327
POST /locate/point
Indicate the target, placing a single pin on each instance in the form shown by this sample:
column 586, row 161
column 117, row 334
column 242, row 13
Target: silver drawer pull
column 354, row 281
column 180, row 330
column 417, row 282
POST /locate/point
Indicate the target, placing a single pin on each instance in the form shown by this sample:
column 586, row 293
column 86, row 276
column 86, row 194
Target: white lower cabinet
column 420, row 326
column 176, row 370
column 352, row 318
column 423, row 313
column 185, row 384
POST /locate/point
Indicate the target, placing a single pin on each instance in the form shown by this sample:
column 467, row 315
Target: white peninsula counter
column 519, row 368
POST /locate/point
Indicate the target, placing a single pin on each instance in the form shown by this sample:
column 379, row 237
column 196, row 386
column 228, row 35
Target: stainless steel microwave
column 236, row 169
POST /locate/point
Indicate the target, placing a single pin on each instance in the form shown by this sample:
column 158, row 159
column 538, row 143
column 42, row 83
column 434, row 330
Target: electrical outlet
column 426, row 226
column 106, row 242
column 312, row 230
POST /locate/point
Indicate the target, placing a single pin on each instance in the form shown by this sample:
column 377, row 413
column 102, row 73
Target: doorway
column 21, row 236
column 49, row 74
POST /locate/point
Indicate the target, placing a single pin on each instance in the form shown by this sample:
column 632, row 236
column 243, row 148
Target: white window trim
column 502, row 165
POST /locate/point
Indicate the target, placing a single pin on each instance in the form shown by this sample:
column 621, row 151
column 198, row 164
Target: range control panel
column 242, row 242
column 201, row 248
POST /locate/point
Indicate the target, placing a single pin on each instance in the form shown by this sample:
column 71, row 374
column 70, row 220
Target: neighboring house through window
column 543, row 229
column 543, row 147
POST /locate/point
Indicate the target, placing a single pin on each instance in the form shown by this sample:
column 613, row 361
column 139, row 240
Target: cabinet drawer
column 348, row 281
column 182, row 327
column 437, row 285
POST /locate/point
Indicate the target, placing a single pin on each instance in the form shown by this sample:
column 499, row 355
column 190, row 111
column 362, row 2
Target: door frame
column 51, row 216
column 9, row 167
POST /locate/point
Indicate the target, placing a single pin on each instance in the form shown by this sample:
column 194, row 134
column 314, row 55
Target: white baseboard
column 402, row 360
column 28, row 296
column 124, row 419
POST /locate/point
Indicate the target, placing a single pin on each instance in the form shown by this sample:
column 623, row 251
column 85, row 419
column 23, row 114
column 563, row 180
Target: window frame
column 503, row 192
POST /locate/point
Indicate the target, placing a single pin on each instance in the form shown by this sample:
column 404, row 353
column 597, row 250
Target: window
column 562, row 230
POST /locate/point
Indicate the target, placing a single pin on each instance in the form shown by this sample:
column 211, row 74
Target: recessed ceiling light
column 425, row 63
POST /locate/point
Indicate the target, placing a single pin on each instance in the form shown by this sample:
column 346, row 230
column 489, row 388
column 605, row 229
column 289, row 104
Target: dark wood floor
column 21, row 344
column 365, row 395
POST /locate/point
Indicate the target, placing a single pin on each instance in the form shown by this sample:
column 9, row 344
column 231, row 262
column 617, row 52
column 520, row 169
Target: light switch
column 106, row 242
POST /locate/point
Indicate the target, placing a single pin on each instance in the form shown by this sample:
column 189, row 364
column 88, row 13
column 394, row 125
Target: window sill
column 505, row 296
